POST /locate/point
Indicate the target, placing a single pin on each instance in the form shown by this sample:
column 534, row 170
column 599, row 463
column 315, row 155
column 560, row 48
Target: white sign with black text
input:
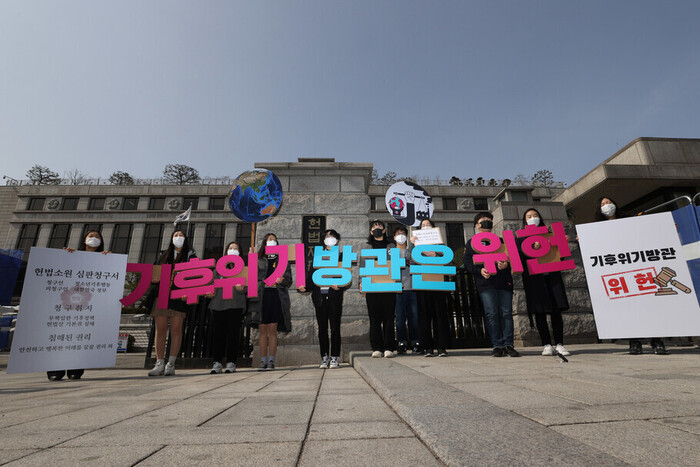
column 638, row 278
column 69, row 311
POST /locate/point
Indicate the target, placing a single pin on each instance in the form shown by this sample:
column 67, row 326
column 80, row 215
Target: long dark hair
column 229, row 246
column 538, row 215
column 432, row 224
column 263, row 244
column 168, row 255
column 599, row 216
column 102, row 241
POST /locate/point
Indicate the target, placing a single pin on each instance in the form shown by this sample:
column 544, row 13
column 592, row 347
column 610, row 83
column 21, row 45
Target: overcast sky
column 428, row 88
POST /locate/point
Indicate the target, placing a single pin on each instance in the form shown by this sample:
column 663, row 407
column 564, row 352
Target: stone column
column 200, row 230
column 136, row 242
column 338, row 191
column 107, row 233
column 75, row 237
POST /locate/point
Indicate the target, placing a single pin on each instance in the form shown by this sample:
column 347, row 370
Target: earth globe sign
column 255, row 195
column 396, row 205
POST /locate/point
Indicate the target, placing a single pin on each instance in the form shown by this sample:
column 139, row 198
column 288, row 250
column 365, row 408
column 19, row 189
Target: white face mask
column 608, row 210
column 400, row 239
column 533, row 221
column 233, row 252
column 93, row 242
column 271, row 243
column 178, row 241
column 330, row 241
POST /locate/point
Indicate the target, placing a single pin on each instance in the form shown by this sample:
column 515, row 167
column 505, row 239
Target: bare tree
column 521, row 180
column 180, row 174
column 543, row 177
column 40, row 175
column 121, row 178
column 76, row 177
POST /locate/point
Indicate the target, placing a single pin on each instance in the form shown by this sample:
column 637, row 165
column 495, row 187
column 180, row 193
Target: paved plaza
column 604, row 407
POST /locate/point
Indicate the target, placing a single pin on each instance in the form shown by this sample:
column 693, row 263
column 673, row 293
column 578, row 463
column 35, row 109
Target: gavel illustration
column 665, row 277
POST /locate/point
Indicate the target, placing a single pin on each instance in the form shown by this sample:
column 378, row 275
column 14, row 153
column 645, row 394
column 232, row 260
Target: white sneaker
column 216, row 369
column 169, row 369
column 230, row 367
column 548, row 350
column 158, row 369
column 377, row 354
column 335, row 362
column 388, row 354
column 560, row 348
column 324, row 363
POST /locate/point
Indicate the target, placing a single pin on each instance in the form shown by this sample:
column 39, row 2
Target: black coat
column 254, row 306
column 336, row 296
column 544, row 293
column 502, row 280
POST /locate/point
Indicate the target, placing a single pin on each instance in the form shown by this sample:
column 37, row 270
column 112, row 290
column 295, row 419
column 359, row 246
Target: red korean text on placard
column 630, row 283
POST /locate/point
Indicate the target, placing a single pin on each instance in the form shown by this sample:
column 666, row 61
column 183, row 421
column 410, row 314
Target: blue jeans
column 498, row 309
column 407, row 307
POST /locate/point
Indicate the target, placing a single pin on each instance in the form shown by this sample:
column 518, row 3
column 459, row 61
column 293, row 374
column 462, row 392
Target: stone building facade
column 137, row 220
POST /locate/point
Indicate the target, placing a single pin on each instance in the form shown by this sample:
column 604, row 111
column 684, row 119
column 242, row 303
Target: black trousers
column 543, row 328
column 380, row 307
column 329, row 311
column 434, row 328
column 227, row 333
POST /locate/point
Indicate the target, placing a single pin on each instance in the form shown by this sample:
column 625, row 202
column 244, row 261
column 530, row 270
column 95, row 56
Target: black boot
column 635, row 347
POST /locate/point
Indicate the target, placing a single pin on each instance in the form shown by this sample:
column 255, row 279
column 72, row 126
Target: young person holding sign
column 496, row 293
column 92, row 242
column 432, row 312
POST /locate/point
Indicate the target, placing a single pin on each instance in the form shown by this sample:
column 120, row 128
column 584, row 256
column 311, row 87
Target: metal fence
column 467, row 323
column 196, row 348
column 465, row 311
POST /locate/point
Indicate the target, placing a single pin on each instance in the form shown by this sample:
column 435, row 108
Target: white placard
column 622, row 258
column 69, row 311
column 428, row 236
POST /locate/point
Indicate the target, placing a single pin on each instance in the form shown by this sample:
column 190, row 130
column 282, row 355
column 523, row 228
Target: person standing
column 495, row 292
column 380, row 306
column 271, row 311
column 178, row 251
column 606, row 210
column 226, row 319
column 406, row 300
column 328, row 305
column 92, row 242
column 434, row 327
column 545, row 295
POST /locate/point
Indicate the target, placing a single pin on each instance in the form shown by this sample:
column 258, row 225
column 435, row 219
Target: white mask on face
column 93, row 242
column 330, row 241
column 233, row 251
column 400, row 239
column 608, row 210
column 271, row 243
column 533, row 221
column 178, row 241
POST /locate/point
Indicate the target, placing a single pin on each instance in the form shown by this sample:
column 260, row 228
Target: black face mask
column 488, row 225
column 377, row 233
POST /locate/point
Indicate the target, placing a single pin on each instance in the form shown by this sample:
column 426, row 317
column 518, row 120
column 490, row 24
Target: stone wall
column 339, row 192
